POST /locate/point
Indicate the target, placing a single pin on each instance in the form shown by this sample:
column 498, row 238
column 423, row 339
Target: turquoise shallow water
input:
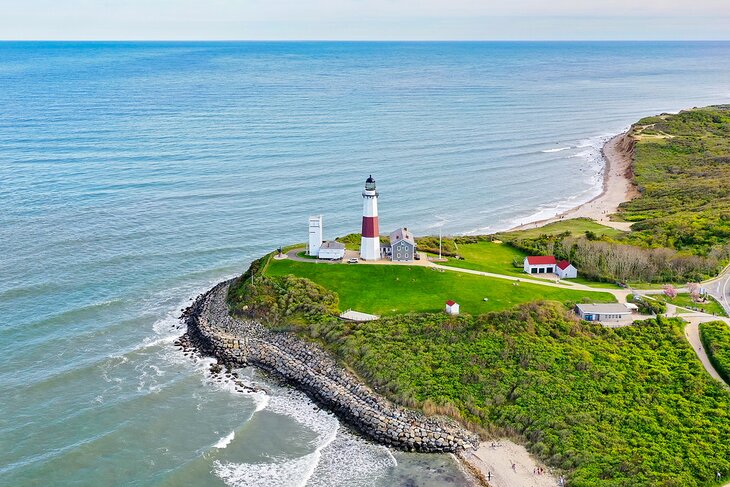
column 135, row 175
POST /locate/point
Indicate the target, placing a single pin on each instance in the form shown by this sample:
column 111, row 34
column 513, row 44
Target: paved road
column 719, row 288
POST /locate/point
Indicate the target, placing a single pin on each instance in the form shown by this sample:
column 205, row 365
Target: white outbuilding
column 452, row 308
column 566, row 270
column 539, row 264
column 331, row 250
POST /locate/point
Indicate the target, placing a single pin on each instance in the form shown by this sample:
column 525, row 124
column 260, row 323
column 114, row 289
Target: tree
column 694, row 290
column 670, row 291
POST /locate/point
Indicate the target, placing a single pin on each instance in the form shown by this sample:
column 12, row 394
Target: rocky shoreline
column 237, row 343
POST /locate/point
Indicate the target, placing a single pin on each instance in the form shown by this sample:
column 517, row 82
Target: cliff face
column 626, row 145
column 213, row 331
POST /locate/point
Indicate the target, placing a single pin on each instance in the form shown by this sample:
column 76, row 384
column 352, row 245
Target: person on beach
column 514, row 466
column 489, row 475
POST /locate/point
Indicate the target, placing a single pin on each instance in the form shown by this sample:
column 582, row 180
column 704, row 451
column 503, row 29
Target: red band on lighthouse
column 370, row 227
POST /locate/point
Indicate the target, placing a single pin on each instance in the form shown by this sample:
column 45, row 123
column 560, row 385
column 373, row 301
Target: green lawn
column 589, row 283
column 489, row 257
column 684, row 300
column 576, row 226
column 391, row 289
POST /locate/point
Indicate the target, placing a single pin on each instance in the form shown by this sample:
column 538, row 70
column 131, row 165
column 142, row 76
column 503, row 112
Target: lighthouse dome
column 370, row 183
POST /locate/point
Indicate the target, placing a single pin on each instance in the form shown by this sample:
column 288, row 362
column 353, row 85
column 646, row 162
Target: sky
column 364, row 19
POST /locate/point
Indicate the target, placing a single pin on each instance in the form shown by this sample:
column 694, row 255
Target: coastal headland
column 212, row 330
column 510, row 372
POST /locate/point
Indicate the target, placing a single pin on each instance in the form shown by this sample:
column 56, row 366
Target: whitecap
column 559, row 149
column 225, row 441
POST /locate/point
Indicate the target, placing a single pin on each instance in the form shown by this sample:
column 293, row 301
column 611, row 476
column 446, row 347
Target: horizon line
column 365, row 40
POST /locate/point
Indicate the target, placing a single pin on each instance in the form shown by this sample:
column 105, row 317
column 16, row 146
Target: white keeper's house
column 566, row 270
column 540, row 264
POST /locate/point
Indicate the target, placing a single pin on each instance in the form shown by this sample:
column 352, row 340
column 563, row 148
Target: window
column 398, row 255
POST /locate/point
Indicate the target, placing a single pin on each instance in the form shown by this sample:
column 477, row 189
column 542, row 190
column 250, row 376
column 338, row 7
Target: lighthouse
column 370, row 242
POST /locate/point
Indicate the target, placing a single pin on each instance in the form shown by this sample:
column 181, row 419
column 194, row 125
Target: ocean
column 134, row 176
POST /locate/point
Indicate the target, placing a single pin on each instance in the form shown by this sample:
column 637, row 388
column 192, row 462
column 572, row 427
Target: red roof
column 541, row 260
column 563, row 264
column 450, row 302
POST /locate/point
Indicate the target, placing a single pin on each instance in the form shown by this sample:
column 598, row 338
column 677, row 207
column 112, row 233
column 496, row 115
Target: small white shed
column 452, row 308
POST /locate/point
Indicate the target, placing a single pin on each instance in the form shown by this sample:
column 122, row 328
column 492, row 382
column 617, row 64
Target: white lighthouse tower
column 370, row 242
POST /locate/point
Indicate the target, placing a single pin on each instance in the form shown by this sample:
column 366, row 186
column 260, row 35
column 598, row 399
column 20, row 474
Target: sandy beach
column 617, row 188
column 506, row 464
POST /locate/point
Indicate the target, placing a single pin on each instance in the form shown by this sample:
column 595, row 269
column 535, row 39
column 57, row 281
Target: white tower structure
column 315, row 234
column 370, row 242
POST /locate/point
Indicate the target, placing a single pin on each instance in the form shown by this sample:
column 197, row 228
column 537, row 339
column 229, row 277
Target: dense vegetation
column 716, row 340
column 682, row 168
column 614, row 407
column 391, row 289
column 282, row 300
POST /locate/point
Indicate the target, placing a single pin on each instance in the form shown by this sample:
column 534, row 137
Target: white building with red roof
column 565, row 270
column 540, row 264
column 452, row 308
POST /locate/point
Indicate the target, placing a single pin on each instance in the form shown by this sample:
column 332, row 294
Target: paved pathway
column 292, row 255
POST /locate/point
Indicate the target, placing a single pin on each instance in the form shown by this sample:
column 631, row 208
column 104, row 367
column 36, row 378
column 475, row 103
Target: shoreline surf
column 617, row 188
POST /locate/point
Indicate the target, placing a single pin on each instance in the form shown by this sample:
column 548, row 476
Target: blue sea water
column 135, row 175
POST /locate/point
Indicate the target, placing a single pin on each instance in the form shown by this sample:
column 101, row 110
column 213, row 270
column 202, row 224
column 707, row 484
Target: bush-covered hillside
column 280, row 300
column 625, row 407
column 716, row 340
column 682, row 168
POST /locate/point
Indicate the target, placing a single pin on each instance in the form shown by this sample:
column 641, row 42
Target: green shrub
column 282, row 300
column 716, row 340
